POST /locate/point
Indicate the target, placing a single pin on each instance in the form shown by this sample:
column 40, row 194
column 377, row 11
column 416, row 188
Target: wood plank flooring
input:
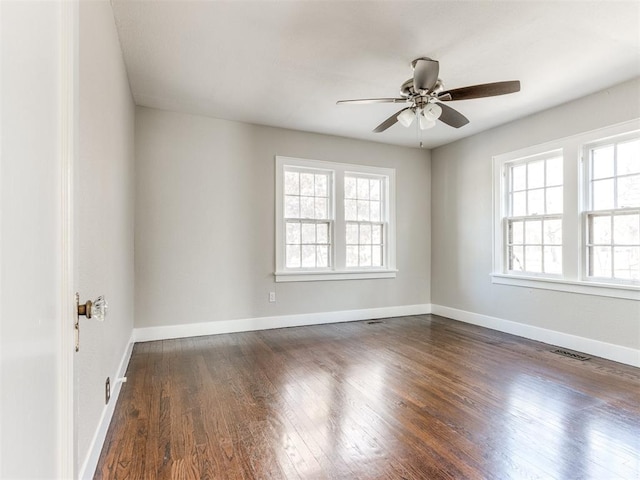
column 419, row 397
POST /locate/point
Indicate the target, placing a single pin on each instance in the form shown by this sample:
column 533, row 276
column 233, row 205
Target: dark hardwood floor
column 411, row 398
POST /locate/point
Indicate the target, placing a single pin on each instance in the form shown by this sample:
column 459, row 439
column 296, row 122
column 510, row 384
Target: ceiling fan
column 425, row 91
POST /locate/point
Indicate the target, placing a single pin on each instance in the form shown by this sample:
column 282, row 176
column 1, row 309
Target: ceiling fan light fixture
column 432, row 111
column 426, row 122
column 405, row 117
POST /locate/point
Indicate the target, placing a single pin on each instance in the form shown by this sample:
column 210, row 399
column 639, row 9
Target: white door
column 36, row 148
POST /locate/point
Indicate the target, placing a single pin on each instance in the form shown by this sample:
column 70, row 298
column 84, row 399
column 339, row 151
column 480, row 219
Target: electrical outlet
column 272, row 297
column 107, row 391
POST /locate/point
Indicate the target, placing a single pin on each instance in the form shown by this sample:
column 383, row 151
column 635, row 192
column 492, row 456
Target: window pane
column 602, row 161
column 293, row 256
column 628, row 157
column 365, row 255
column 291, row 183
column 626, row 230
column 352, row 256
column 308, row 233
column 322, row 233
column 629, row 191
column 516, row 232
column 308, row 256
column 321, row 186
column 293, row 233
column 519, row 177
column 376, row 257
column 553, row 260
column 554, row 200
column 363, row 210
column 376, row 234
column 601, row 262
column 535, row 171
column 322, row 256
column 603, row 195
column 352, row 234
column 375, row 211
column 533, row 232
column 363, row 189
column 552, row 234
column 349, row 187
column 374, row 189
column 291, row 206
column 365, row 234
column 626, row 263
column 350, row 210
column 321, row 210
column 307, row 207
column 516, row 259
column 536, row 202
column 533, row 257
column 519, row 204
column 554, row 171
column 601, row 230
column 306, row 184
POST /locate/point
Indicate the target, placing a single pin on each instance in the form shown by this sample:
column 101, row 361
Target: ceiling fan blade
column 452, row 117
column 373, row 100
column 425, row 74
column 481, row 91
column 389, row 121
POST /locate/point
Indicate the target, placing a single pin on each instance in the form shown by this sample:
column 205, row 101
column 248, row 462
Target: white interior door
column 37, row 125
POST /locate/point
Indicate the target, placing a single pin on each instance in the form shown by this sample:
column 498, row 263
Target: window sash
column 544, row 188
column 602, row 256
column 364, row 247
column 615, row 178
column 321, row 249
column 516, row 250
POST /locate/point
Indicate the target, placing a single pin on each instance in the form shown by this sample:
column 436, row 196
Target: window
column 613, row 215
column 534, row 225
column 363, row 213
column 307, row 219
column 567, row 214
column 333, row 221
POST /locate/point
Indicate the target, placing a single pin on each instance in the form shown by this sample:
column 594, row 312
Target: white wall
column 103, row 217
column 462, row 226
column 31, row 251
column 205, row 222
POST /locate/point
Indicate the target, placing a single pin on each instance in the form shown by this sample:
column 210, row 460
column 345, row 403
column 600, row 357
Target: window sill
column 629, row 292
column 333, row 275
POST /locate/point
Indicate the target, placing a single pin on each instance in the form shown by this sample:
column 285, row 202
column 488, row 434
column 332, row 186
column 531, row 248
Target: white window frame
column 329, row 220
column 574, row 277
column 337, row 269
column 382, row 221
column 509, row 217
column 589, row 211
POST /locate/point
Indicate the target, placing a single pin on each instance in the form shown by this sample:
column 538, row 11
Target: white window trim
column 574, row 277
column 508, row 214
column 336, row 271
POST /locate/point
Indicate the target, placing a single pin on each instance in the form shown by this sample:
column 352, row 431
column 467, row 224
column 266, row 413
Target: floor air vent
column 567, row 353
column 372, row 322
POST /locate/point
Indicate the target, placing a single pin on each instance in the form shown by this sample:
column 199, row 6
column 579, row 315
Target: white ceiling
column 286, row 63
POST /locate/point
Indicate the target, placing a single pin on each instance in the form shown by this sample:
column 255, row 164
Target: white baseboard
column 266, row 323
column 596, row 348
column 88, row 468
